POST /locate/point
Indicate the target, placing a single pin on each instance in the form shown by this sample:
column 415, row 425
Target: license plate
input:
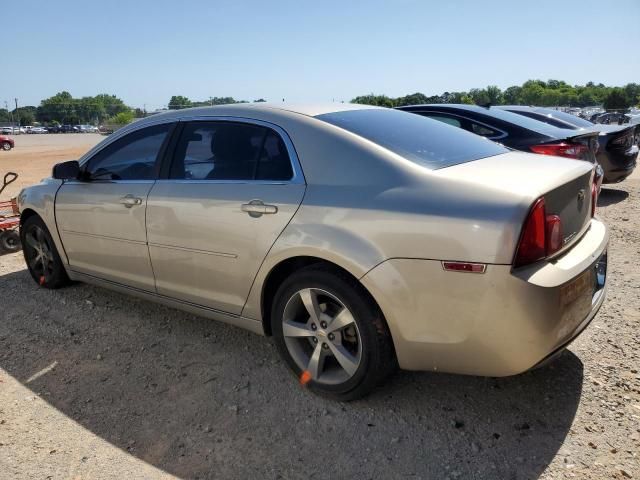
column 583, row 285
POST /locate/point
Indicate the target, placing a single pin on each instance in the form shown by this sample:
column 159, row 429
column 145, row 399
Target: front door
column 101, row 219
column 232, row 188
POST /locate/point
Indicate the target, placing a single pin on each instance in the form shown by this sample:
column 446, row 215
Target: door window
column 230, row 151
column 133, row 157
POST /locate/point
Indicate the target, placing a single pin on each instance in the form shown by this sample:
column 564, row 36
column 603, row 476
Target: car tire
column 40, row 254
column 6, row 146
column 344, row 349
column 10, row 241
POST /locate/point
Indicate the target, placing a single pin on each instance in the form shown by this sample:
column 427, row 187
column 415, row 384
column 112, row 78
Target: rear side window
column 230, row 151
column 484, row 131
column 432, row 144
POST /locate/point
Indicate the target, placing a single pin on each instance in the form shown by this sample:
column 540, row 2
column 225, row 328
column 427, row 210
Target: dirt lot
column 94, row 384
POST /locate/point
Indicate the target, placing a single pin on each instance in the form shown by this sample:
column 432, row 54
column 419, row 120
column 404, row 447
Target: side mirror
column 66, row 170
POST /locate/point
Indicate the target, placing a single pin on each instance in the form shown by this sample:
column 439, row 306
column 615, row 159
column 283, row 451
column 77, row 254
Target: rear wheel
column 6, row 146
column 41, row 255
column 10, row 241
column 331, row 333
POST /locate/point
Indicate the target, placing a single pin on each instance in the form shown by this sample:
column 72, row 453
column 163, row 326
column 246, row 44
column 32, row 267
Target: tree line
column 178, row 101
column 532, row 92
column 63, row 108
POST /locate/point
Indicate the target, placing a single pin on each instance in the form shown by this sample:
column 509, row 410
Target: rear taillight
column 563, row 149
column 594, row 198
column 541, row 235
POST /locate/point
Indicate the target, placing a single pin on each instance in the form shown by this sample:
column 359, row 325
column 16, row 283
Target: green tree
column 178, row 102
column 25, row 115
column 122, row 118
column 494, row 94
column 512, row 95
column 60, row 107
column 616, row 99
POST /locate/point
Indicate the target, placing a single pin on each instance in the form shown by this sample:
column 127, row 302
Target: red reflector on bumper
column 464, row 267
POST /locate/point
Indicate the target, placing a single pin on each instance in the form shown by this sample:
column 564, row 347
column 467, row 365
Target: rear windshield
column 427, row 142
column 568, row 117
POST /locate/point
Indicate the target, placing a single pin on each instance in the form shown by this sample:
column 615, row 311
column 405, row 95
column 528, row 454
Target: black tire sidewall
column 366, row 315
column 59, row 277
column 5, row 238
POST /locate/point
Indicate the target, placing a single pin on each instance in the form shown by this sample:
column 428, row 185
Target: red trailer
column 9, row 219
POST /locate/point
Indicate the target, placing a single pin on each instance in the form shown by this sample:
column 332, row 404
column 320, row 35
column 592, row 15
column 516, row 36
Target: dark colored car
column 6, row 143
column 610, row 118
column 54, row 129
column 616, row 152
column 67, row 129
column 513, row 130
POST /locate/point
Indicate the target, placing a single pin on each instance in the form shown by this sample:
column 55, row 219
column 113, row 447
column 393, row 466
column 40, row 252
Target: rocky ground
column 94, row 384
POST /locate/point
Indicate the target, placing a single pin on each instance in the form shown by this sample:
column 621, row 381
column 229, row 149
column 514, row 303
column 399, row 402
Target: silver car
column 360, row 238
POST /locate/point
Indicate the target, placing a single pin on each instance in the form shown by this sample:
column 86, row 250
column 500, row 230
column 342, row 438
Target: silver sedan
column 360, row 238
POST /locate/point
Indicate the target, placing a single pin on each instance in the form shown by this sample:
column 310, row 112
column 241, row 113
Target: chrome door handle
column 129, row 201
column 256, row 208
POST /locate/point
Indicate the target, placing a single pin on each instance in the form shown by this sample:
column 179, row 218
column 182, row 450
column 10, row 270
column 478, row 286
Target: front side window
column 132, row 157
column 230, row 151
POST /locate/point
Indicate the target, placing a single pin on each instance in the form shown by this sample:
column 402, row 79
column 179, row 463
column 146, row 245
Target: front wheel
column 41, row 255
column 331, row 333
column 6, row 146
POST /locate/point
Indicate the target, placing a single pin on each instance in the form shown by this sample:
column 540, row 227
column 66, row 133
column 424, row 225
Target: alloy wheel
column 39, row 253
column 322, row 336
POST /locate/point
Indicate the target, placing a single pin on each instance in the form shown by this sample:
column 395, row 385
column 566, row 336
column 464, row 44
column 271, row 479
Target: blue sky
column 144, row 51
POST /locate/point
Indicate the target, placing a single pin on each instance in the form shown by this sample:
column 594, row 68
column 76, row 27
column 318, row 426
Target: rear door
column 230, row 190
column 101, row 219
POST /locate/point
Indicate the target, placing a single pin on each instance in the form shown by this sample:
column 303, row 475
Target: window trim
column 298, row 175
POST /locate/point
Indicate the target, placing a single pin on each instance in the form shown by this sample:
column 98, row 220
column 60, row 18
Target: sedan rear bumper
column 618, row 165
column 499, row 323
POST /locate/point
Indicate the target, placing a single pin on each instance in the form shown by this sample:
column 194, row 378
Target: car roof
column 249, row 109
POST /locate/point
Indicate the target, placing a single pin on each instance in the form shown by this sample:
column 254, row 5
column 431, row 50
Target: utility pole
column 211, row 101
column 17, row 113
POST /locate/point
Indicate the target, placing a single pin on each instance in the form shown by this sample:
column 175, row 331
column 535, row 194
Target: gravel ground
column 94, row 384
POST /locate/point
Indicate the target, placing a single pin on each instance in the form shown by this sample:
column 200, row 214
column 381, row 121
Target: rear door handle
column 256, row 208
column 129, row 201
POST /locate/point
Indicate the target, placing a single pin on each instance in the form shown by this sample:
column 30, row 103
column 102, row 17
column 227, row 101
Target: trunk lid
column 564, row 183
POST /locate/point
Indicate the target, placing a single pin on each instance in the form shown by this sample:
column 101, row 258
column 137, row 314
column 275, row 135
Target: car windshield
column 427, row 142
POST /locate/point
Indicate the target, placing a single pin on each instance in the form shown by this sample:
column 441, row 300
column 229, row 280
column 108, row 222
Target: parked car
column 54, row 129
column 610, row 118
column 359, row 237
column 38, row 130
column 6, row 143
column 617, row 151
column 67, row 129
column 516, row 131
column 12, row 130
